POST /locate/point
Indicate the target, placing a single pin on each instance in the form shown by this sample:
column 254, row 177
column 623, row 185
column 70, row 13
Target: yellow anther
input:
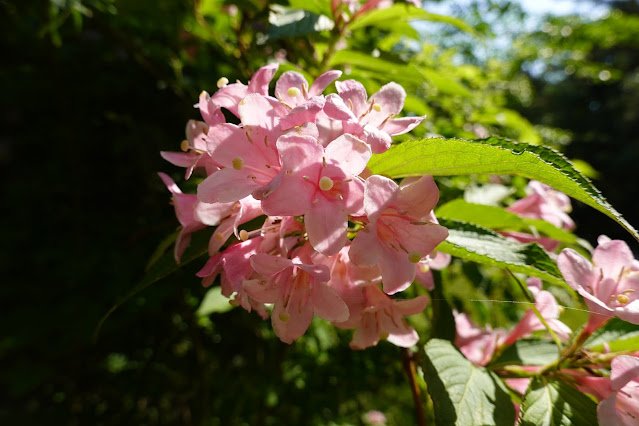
column 284, row 316
column 414, row 257
column 244, row 235
column 325, row 183
column 238, row 163
column 384, row 336
column 234, row 302
column 184, row 146
column 377, row 107
column 293, row 91
column 223, row 81
column 622, row 298
column 219, row 236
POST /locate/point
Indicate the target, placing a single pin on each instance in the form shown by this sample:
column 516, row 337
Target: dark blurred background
column 91, row 91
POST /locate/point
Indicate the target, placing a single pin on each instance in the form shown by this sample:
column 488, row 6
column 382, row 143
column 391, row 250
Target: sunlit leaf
column 528, row 352
column 549, row 402
column 481, row 245
column 445, row 157
column 213, row 302
column 462, row 393
column 287, row 22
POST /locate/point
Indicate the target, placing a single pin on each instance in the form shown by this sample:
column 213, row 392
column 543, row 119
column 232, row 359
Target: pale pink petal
column 291, row 80
column 411, row 306
column 379, row 193
column 261, row 79
column 630, row 312
column 327, row 304
column 303, row 113
column 261, row 120
column 225, row 186
column 612, row 257
column 607, row 412
column 349, row 153
column 326, row 224
column 196, row 134
column 210, row 109
column 323, row 81
column 397, row 272
column 299, row 153
column 439, row 260
column 390, row 99
column 379, row 140
column 364, row 250
column 169, row 183
column 405, row 339
column 220, row 236
column 262, row 291
column 211, row 214
column 227, row 97
column 399, row 126
column 353, row 93
column 417, row 196
column 291, row 322
column 367, row 334
column 336, row 109
column 576, row 269
column 625, row 368
column 269, row 265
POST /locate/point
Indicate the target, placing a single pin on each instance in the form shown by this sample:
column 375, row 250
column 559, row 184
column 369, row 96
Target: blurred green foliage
column 94, row 89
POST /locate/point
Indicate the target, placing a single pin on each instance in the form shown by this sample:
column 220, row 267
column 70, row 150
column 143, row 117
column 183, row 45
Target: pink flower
column 194, row 150
column 437, row 261
column 298, row 290
column 241, row 212
column 545, row 203
column 621, row 408
column 402, row 228
column 192, row 214
column 477, row 344
column 248, row 155
column 370, row 119
column 321, row 184
column 548, row 308
column 609, row 285
column 374, row 417
column 382, row 317
column 235, row 267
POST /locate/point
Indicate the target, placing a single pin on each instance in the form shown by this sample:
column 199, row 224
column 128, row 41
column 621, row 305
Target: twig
column 408, row 363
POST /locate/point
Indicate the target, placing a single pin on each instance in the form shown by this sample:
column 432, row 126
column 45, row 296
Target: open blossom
column 547, row 306
column 371, row 119
column 401, row 231
column 324, row 185
column 437, row 261
column 192, row 214
column 194, row 149
column 609, row 285
column 477, row 344
column 298, row 289
column 621, row 408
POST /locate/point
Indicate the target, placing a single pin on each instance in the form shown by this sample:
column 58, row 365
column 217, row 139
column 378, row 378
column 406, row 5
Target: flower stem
column 408, row 362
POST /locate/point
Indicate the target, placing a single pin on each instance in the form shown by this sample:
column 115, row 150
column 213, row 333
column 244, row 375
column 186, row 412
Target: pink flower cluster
column 332, row 232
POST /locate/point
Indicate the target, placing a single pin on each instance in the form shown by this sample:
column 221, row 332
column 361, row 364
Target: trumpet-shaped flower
column 477, row 344
column 298, row 290
column 621, row 408
column 192, row 214
column 609, row 285
column 193, row 150
column 321, row 184
column 402, row 228
column 371, row 119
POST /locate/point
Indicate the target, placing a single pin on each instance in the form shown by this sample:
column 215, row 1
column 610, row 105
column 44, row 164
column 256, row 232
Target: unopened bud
column 238, row 163
column 414, row 257
column 293, row 91
column 223, row 81
column 325, row 183
column 377, row 107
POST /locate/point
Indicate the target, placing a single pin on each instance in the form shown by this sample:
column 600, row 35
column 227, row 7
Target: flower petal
column 261, row 79
column 326, row 222
column 291, row 80
column 349, row 153
column 379, row 193
column 322, row 82
column 327, row 304
column 399, row 126
column 353, row 93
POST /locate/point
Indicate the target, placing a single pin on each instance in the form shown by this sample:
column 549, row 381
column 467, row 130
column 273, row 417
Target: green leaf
column 620, row 336
column 445, row 157
column 462, row 393
column 287, row 22
column 550, row 402
column 492, row 217
column 527, row 352
column 481, row 245
column 319, row 7
column 213, row 302
column 444, row 83
column 406, row 13
column 390, row 69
